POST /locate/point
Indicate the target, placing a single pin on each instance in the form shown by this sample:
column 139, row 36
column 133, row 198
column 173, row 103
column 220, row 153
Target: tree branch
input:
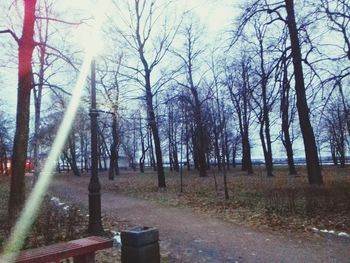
column 8, row 31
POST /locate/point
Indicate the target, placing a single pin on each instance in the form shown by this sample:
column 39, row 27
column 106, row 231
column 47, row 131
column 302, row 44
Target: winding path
column 191, row 237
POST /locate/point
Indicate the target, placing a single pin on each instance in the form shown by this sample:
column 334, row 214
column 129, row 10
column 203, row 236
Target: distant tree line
column 167, row 93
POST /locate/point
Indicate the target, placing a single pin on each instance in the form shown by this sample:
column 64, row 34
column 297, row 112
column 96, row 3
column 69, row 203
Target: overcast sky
column 215, row 16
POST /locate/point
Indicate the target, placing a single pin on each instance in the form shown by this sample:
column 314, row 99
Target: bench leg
column 88, row 258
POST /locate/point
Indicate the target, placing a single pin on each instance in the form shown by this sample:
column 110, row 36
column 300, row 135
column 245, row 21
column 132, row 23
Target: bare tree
column 5, row 143
column 338, row 14
column 129, row 141
column 287, row 116
column 150, row 48
column 26, row 45
column 274, row 12
column 335, row 124
column 47, row 56
column 144, row 147
column 312, row 161
column 112, row 82
column 172, row 131
column 189, row 57
column 238, row 82
column 266, row 93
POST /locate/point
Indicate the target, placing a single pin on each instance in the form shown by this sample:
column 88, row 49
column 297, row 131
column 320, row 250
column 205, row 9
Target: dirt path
column 191, row 237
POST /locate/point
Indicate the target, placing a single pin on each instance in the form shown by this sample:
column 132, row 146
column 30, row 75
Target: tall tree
column 238, row 82
column 189, row 57
column 266, row 95
column 274, row 13
column 26, row 45
column 287, row 116
column 312, row 161
column 150, row 47
column 111, row 82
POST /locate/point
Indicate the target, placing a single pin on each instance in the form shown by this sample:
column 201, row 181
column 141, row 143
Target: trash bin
column 140, row 245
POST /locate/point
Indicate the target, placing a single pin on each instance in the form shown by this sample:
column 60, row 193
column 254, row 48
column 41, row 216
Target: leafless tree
column 5, row 143
column 287, row 115
column 335, row 125
column 149, row 47
column 189, row 57
column 238, row 82
column 284, row 11
column 112, row 84
column 26, row 45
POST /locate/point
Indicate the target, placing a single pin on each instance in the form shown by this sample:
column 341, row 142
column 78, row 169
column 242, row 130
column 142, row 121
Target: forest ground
column 265, row 220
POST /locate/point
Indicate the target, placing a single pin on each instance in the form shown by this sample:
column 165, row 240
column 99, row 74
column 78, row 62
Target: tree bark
column 286, row 140
column 25, row 77
column 312, row 160
column 155, row 132
column 73, row 159
column 151, row 152
column 37, row 108
column 113, row 163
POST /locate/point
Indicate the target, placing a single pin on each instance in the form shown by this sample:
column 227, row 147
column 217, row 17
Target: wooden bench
column 81, row 250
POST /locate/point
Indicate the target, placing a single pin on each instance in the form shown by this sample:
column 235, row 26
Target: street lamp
column 95, row 223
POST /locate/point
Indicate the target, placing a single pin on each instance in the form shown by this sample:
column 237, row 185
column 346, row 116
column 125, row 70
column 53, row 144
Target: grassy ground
column 3, row 209
column 278, row 203
column 56, row 223
column 53, row 224
column 281, row 202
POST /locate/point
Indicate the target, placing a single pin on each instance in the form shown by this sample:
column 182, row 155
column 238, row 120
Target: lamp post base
column 95, row 223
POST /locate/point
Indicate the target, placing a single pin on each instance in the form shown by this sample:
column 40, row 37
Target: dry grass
column 53, row 224
column 279, row 202
column 57, row 224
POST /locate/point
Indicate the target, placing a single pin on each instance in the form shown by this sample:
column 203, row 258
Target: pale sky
column 215, row 16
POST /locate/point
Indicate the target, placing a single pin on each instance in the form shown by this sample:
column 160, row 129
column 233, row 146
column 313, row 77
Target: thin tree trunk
column 37, row 108
column 151, row 153
column 73, row 159
column 286, row 140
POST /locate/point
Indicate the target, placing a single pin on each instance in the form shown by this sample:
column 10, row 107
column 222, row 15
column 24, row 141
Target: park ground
column 278, row 219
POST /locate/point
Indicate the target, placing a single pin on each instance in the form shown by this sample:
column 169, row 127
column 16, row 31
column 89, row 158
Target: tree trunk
column 200, row 139
column 37, row 108
column 265, row 136
column 175, row 158
column 341, row 138
column 25, row 76
column 248, row 166
column 143, row 149
column 113, row 163
column 333, row 153
column 155, row 132
column 73, row 159
column 286, row 140
column 234, row 152
column 227, row 151
column 151, row 151
column 216, row 146
column 312, row 160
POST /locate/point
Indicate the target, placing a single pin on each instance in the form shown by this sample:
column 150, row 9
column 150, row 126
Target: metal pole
column 95, row 224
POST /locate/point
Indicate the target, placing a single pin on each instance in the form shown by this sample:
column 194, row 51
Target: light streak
column 32, row 205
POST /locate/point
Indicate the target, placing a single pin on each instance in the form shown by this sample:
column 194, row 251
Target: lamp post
column 95, row 224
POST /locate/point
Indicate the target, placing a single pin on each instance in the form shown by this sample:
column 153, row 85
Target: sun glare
column 89, row 37
column 93, row 46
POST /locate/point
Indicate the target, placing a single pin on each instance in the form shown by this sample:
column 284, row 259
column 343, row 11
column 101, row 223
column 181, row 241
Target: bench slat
column 59, row 251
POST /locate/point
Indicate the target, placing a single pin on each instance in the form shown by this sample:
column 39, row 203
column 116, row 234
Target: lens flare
column 35, row 198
